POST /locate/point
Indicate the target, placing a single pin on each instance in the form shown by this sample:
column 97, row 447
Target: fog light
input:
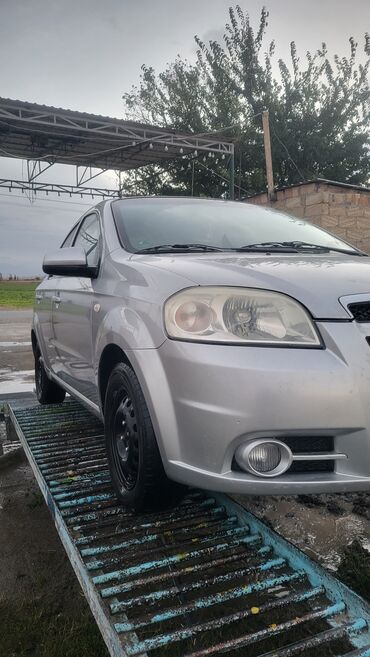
column 266, row 458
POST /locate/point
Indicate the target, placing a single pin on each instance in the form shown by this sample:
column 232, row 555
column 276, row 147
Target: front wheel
column 135, row 463
column 47, row 392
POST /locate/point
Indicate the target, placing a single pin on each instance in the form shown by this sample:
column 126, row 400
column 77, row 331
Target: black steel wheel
column 125, row 444
column 47, row 392
column 135, row 463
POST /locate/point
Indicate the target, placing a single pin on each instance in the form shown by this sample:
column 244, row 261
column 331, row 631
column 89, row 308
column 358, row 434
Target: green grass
column 17, row 294
column 35, row 630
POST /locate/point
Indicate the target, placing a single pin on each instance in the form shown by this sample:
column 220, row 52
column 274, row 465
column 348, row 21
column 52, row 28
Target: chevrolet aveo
column 223, row 345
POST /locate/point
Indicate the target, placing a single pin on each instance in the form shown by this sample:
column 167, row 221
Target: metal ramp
column 204, row 578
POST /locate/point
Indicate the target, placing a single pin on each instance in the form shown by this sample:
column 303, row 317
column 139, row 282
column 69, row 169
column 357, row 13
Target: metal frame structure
column 54, row 188
column 44, row 136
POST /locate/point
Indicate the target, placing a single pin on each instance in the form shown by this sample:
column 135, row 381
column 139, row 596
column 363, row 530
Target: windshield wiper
column 180, row 248
column 295, row 246
column 307, row 246
column 269, row 246
column 325, row 248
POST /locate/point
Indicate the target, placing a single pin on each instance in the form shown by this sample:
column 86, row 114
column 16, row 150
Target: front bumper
column 205, row 400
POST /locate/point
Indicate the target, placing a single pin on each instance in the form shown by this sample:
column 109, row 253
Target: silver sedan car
column 224, row 345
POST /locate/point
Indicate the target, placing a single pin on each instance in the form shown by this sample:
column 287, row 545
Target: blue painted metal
column 203, row 578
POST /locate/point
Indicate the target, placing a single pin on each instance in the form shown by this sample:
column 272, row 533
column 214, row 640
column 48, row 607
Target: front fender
column 36, row 329
column 127, row 331
column 126, row 328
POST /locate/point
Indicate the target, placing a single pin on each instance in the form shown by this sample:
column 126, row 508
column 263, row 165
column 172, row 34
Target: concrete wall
column 344, row 211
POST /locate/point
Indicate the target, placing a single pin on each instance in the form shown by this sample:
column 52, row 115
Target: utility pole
column 232, row 175
column 120, row 186
column 268, row 157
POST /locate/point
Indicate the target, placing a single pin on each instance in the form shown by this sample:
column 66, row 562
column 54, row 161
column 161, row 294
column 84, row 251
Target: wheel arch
column 34, row 341
column 111, row 355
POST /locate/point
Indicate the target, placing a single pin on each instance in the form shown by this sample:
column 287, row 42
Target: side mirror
column 70, row 261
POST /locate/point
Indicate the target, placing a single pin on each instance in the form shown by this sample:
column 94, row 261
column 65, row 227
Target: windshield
column 146, row 223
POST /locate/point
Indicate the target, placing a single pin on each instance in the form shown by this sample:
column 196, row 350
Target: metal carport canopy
column 54, row 135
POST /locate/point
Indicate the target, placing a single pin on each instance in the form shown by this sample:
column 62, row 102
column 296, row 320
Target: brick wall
column 344, row 211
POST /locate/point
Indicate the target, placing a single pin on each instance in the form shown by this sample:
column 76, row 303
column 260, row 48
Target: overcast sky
column 84, row 54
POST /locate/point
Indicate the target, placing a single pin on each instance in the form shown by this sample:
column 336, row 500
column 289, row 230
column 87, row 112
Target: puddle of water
column 16, row 381
column 316, row 531
column 15, row 374
column 12, row 387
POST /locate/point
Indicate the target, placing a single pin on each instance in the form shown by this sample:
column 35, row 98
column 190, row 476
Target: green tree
column 319, row 112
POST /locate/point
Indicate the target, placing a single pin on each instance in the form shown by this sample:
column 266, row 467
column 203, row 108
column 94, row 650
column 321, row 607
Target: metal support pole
column 232, row 175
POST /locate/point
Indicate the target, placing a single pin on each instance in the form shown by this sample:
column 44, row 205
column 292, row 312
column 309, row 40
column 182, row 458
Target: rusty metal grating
column 203, row 578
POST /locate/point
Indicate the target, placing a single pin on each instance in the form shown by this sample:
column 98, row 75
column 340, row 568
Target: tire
column 47, row 392
column 138, row 476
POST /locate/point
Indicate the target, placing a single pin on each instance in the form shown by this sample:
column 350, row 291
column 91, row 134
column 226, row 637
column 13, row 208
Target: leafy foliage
column 319, row 112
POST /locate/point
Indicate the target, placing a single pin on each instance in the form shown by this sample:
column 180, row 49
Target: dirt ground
column 320, row 525
column 37, row 584
column 43, row 612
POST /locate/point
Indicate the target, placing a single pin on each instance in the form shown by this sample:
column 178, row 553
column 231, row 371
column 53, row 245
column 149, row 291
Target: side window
column 89, row 238
column 70, row 237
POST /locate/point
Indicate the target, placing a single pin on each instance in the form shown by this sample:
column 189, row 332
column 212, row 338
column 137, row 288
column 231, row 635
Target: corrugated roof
column 42, row 132
column 84, row 115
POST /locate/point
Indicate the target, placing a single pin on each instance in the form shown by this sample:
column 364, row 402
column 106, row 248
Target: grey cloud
column 27, row 232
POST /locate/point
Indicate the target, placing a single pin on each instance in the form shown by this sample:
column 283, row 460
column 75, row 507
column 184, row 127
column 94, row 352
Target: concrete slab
column 16, row 358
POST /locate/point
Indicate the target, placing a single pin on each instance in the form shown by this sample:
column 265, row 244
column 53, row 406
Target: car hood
column 316, row 280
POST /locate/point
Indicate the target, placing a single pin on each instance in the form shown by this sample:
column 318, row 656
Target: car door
column 72, row 315
column 45, row 297
column 43, row 309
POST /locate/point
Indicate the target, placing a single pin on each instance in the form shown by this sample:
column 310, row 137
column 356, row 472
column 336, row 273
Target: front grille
column 311, row 444
column 301, row 444
column 311, row 466
column 360, row 311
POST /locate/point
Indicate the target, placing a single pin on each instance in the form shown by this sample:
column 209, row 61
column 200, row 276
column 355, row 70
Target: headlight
column 238, row 315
